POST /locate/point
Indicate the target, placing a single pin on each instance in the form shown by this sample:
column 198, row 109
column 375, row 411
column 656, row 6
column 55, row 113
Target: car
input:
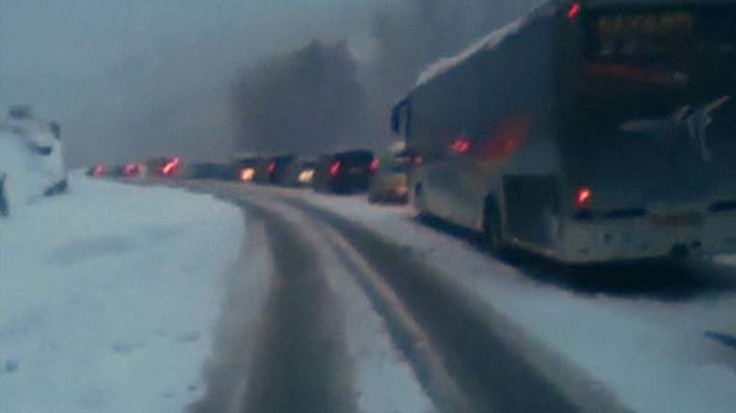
column 389, row 182
column 344, row 172
column 270, row 171
column 245, row 168
column 97, row 171
column 134, row 170
column 164, row 167
column 210, row 170
column 300, row 173
column 31, row 159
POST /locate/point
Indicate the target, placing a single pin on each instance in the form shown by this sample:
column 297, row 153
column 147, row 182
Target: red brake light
column 171, row 166
column 271, row 167
column 460, row 145
column 99, row 170
column 583, row 197
column 131, row 169
column 574, row 11
column 375, row 163
column 335, row 168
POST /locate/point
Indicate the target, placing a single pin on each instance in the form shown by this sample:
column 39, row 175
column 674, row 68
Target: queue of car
column 383, row 177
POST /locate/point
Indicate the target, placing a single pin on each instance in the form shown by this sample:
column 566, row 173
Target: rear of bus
column 648, row 135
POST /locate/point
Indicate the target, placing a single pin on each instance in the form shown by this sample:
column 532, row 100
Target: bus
column 586, row 131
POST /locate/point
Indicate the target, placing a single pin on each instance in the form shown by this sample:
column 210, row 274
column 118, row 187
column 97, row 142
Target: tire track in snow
column 301, row 364
column 383, row 385
column 495, row 367
column 492, row 375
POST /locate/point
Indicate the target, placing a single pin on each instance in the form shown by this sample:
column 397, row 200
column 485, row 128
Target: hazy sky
column 131, row 78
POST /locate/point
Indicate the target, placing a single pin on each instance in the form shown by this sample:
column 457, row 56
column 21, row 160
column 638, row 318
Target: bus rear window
column 660, row 37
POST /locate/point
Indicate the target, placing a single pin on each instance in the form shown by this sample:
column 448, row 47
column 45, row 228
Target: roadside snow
column 654, row 354
column 109, row 296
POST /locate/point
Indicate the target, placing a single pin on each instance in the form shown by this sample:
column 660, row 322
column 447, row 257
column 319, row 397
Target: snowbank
column 108, row 297
column 27, row 178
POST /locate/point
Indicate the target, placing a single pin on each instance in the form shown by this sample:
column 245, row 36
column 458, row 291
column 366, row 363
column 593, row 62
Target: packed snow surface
column 108, row 298
column 652, row 346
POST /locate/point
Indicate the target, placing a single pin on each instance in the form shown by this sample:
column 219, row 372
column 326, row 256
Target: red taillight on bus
column 583, row 197
column 375, row 163
column 335, row 168
column 574, row 11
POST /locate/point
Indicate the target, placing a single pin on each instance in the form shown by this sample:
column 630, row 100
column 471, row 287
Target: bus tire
column 492, row 236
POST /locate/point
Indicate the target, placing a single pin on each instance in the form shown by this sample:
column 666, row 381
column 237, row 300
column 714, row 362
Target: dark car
column 164, row 167
column 272, row 170
column 245, row 168
column 300, row 173
column 344, row 172
column 211, row 170
column 389, row 182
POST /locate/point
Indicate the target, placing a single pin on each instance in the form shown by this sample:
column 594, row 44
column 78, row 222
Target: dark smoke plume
column 411, row 37
column 318, row 99
column 304, row 102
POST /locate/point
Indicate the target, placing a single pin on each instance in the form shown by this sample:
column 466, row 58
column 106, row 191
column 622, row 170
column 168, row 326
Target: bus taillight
column 574, row 11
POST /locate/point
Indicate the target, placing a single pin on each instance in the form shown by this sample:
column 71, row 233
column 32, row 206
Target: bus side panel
column 518, row 124
column 501, row 101
column 441, row 112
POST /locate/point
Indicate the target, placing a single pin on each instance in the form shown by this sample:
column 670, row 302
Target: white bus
column 586, row 131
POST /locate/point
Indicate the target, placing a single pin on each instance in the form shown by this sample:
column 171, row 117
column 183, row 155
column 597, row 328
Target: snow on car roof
column 545, row 9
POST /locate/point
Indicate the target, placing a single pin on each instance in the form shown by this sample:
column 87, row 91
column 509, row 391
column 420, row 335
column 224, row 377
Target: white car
column 31, row 161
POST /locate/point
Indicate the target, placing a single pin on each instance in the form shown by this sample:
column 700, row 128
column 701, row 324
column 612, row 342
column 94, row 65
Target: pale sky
column 135, row 78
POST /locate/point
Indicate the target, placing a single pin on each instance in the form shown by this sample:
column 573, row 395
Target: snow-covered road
column 109, row 296
column 118, row 298
column 402, row 337
column 650, row 337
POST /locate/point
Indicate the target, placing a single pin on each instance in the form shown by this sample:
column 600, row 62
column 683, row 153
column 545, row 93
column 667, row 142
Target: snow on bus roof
column 545, row 9
column 490, row 41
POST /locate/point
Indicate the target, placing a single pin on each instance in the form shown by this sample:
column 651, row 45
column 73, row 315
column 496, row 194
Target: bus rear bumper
column 640, row 238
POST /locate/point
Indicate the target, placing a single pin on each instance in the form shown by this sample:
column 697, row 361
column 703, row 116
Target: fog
column 139, row 78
